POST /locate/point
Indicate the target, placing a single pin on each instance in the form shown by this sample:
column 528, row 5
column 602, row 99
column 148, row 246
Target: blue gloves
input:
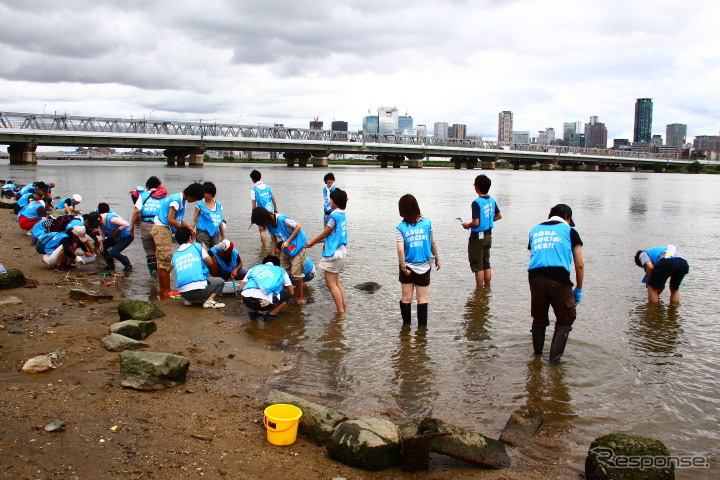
column 577, row 293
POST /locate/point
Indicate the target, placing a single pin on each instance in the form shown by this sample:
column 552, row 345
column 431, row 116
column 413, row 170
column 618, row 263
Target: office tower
column 657, row 140
column 675, row 135
column 405, row 123
column 520, row 136
column 422, row 130
column 388, row 118
column 570, row 129
column 595, row 134
column 459, row 130
column 577, row 140
column 547, row 136
column 339, row 126
column 371, row 124
column 440, row 130
column 505, row 126
column 316, row 125
column 643, row 120
column 702, row 142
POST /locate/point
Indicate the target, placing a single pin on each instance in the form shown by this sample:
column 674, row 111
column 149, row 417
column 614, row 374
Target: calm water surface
column 628, row 367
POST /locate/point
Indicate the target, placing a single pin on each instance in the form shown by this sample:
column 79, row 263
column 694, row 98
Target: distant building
column 405, row 123
column 714, row 144
column 388, row 119
column 644, row 147
column 339, row 126
column 657, row 140
column 577, row 140
column 643, row 120
column 675, row 135
column 621, row 144
column 569, row 129
column 316, row 125
column 440, row 129
column 595, row 134
column 546, row 137
column 520, row 136
column 505, row 127
column 422, row 131
column 459, row 130
column 702, row 142
column 371, row 124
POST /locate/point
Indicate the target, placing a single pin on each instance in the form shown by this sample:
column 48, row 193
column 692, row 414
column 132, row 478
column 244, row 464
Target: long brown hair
column 409, row 209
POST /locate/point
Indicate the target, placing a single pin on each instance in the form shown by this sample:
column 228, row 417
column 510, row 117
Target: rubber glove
column 577, row 293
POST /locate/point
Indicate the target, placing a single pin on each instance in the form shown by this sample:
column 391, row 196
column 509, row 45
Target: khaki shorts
column 295, row 266
column 479, row 253
column 332, row 265
column 163, row 246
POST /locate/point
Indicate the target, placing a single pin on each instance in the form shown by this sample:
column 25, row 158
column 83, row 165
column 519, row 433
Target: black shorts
column 673, row 268
column 255, row 303
column 419, row 279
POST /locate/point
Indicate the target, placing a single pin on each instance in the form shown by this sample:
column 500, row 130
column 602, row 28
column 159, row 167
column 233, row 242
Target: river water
column 628, row 367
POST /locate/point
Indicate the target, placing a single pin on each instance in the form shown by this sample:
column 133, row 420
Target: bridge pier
column 546, row 166
column 488, row 164
column 395, row 159
column 22, row 153
column 196, row 157
column 628, row 168
column 415, row 160
column 320, row 158
column 469, row 162
column 592, row 167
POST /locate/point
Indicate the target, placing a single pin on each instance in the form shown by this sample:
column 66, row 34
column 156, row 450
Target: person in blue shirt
column 485, row 213
column 114, row 236
column 661, row 264
column 261, row 195
column 227, row 263
column 191, row 263
column 8, row 190
column 329, row 180
column 309, row 270
column 208, row 219
column 68, row 205
column 334, row 252
column 554, row 245
column 416, row 248
column 147, row 205
column 266, row 289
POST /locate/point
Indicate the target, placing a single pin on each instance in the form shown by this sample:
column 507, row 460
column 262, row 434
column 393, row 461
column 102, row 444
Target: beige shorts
column 332, row 265
column 295, row 266
column 163, row 246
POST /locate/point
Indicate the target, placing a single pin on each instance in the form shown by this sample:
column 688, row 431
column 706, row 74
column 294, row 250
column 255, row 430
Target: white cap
column 224, row 245
column 79, row 230
column 77, row 197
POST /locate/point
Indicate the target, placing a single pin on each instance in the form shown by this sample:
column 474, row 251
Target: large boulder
column 370, row 444
column 521, row 427
column 618, row 456
column 118, row 343
column 41, row 363
column 152, row 370
column 136, row 329
column 138, row 310
column 369, row 287
column 14, row 278
column 317, row 422
column 466, row 445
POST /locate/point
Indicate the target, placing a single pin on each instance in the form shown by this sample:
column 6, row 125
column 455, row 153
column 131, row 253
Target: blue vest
column 189, row 265
column 308, row 266
column 550, row 246
column 30, row 210
column 263, row 198
column 109, row 229
column 75, row 222
column 150, row 206
column 30, row 188
column 655, row 254
column 210, row 220
column 226, row 264
column 24, row 199
column 62, row 203
column 326, row 199
column 38, row 229
column 268, row 278
column 50, row 241
column 418, row 247
column 164, row 210
column 9, row 186
column 338, row 236
column 283, row 233
column 487, row 214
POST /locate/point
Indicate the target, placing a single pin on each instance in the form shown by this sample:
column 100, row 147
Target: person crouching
column 266, row 288
column 191, row 262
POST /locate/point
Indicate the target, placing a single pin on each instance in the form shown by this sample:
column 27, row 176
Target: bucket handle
column 265, row 420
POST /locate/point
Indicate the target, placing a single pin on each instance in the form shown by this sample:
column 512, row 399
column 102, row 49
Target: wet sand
column 210, row 427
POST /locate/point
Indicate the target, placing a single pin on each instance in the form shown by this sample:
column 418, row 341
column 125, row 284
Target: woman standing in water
column 415, row 248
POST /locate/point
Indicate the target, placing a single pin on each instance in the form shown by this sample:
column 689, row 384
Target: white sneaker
column 187, row 303
column 213, row 304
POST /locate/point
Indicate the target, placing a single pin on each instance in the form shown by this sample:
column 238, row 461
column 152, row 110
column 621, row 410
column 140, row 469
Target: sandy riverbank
column 209, row 427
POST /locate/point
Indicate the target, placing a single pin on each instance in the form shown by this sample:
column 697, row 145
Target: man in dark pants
column 553, row 246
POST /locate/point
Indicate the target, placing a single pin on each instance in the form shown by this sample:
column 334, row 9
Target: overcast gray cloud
column 290, row 61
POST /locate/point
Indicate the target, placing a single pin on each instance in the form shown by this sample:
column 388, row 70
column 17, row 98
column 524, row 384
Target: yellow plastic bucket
column 281, row 421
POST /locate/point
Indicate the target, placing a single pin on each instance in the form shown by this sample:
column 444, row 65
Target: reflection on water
column 547, row 392
column 332, row 352
column 477, row 315
column 413, row 381
column 655, row 329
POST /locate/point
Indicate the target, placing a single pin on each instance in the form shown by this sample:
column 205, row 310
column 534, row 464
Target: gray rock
column 371, row 444
column 152, row 370
column 521, row 427
column 317, row 422
column 56, row 426
column 608, row 455
column 14, row 278
column 136, row 329
column 7, row 203
column 118, row 343
column 41, row 363
column 369, row 287
column 10, row 301
column 81, row 294
column 139, row 310
column 415, row 438
column 466, row 445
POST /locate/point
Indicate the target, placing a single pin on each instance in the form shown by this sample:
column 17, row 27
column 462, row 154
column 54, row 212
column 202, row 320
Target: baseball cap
column 77, row 197
column 79, row 230
column 226, row 245
column 561, row 210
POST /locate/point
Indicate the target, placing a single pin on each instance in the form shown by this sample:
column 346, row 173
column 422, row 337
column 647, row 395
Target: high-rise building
column 316, row 125
column 371, row 124
column 405, row 125
column 339, row 126
column 657, row 140
column 440, row 130
column 577, row 140
column 422, row 130
column 520, row 136
column 702, row 142
column 675, row 135
column 569, row 129
column 547, row 136
column 459, row 130
column 643, row 120
column 388, row 118
column 595, row 134
column 505, row 126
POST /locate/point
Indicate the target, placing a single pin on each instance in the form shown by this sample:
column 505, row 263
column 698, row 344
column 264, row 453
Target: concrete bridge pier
column 22, row 153
column 628, row 168
column 300, row 157
column 171, row 155
column 546, row 166
column 415, row 160
column 468, row 162
column 320, row 158
column 592, row 167
column 196, row 157
column 488, row 164
column 395, row 159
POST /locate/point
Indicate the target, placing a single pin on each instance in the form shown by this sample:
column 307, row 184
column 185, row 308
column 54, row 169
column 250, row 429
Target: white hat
column 225, row 245
column 79, row 230
column 77, row 197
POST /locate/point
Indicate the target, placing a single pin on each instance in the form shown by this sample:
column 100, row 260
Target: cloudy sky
column 272, row 61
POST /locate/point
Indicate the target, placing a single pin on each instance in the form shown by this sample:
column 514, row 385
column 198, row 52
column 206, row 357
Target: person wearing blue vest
column 8, row 190
column 309, row 270
column 416, row 248
column 208, row 219
column 334, row 252
column 32, row 213
column 60, row 248
column 147, row 205
column 485, row 213
column 661, row 264
column 554, row 245
column 191, row 263
column 68, row 205
column 114, row 237
column 329, row 180
column 261, row 195
column 227, row 263
column 288, row 243
column 266, row 289
column 168, row 219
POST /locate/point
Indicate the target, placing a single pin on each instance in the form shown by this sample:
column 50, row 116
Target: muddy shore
column 210, row 427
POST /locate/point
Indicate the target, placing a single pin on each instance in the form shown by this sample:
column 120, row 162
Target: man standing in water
column 485, row 213
column 261, row 195
column 553, row 246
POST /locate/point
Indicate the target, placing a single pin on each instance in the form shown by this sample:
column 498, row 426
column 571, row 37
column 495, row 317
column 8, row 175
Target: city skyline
column 255, row 63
